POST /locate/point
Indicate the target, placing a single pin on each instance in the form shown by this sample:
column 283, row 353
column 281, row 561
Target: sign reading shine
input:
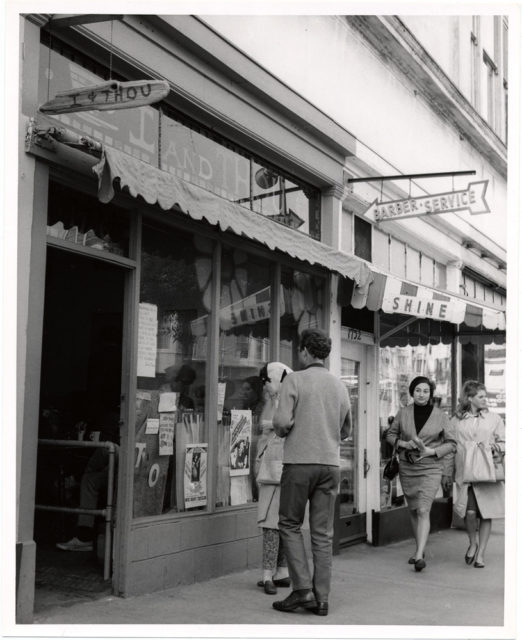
column 471, row 199
column 108, row 96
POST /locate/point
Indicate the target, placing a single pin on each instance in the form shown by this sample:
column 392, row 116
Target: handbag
column 478, row 463
column 271, row 462
column 391, row 468
column 500, row 472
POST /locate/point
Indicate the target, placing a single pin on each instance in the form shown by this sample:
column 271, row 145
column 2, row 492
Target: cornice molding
column 39, row 19
column 398, row 47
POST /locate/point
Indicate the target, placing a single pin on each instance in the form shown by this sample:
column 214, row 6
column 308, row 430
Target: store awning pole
column 398, row 328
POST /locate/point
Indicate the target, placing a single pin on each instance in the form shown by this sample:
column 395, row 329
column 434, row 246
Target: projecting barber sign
column 471, row 199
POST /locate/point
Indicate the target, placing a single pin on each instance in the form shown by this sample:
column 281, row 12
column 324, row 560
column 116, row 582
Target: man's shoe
column 75, row 544
column 295, row 600
column 321, row 609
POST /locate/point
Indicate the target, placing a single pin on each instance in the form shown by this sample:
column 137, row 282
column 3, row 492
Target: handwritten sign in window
column 147, row 339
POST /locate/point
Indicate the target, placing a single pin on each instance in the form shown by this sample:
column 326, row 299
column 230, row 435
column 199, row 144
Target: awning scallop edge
column 168, row 191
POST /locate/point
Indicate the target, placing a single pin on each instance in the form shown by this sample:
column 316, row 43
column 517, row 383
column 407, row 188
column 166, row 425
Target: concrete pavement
column 370, row 586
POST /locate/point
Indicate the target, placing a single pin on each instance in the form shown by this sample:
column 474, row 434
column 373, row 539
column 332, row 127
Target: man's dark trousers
column 317, row 483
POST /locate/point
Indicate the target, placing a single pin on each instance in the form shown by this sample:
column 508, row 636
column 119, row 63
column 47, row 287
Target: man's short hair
column 316, row 342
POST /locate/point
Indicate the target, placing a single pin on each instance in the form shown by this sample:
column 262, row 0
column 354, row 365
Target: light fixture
column 265, row 178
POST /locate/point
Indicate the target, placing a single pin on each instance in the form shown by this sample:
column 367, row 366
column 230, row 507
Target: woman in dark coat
column 424, row 435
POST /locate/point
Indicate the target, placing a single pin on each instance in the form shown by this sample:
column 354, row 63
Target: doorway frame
column 359, row 345
column 36, row 304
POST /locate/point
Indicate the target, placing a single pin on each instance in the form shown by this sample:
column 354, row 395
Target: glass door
column 351, row 519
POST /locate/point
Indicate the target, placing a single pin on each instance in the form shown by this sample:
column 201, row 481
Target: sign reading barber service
column 472, row 199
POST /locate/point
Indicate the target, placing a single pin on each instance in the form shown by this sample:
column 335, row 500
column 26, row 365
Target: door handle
column 366, row 464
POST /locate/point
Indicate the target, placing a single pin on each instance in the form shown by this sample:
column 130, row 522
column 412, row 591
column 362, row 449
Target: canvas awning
column 396, row 296
column 168, row 191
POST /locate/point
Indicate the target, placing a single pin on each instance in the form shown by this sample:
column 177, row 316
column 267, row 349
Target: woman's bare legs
column 423, row 531
column 484, row 531
column 471, row 521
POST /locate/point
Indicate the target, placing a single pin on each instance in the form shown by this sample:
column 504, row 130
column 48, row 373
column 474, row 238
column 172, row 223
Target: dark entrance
column 79, row 406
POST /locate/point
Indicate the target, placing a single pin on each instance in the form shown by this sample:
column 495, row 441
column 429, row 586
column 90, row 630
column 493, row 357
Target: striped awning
column 393, row 295
column 170, row 192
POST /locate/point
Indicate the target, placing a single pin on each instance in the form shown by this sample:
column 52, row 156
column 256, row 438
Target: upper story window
column 175, row 143
column 362, row 236
column 505, row 72
column 490, row 90
column 475, row 62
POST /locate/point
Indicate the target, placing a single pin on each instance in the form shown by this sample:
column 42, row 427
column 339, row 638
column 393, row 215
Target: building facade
column 167, row 252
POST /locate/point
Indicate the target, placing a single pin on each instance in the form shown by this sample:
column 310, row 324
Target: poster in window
column 195, row 477
column 167, row 423
column 240, row 439
column 147, row 339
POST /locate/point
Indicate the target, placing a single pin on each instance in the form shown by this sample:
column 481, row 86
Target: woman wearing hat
column 423, row 435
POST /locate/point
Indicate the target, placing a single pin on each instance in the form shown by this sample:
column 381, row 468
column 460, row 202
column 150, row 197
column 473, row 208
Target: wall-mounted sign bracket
column 63, row 20
column 47, row 137
column 411, row 176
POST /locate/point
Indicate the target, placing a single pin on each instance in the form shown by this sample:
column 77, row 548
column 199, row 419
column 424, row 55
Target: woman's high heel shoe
column 470, row 559
column 420, row 564
column 412, row 559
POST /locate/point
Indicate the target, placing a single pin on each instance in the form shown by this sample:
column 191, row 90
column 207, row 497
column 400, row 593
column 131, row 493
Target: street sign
column 471, row 199
column 107, row 96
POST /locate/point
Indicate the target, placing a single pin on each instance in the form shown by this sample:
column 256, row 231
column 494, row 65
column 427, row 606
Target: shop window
column 81, row 220
column 302, row 307
column 244, row 347
column 134, row 131
column 397, row 368
column 195, row 155
column 362, row 232
column 170, row 468
column 174, row 142
column 495, row 377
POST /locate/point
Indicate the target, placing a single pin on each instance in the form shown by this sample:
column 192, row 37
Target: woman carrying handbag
column 423, row 437
column 478, row 465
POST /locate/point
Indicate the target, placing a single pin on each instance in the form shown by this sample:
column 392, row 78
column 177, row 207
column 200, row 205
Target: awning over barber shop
column 170, row 192
column 394, row 295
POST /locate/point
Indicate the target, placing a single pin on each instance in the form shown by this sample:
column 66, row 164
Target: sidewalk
column 370, row 586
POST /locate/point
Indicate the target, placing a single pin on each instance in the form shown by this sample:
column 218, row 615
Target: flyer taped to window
column 240, row 438
column 195, row 477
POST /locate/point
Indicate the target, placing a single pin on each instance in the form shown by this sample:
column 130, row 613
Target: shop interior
column 80, row 394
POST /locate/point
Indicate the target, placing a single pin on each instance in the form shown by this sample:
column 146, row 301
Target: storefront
column 168, row 262
column 167, row 253
column 434, row 333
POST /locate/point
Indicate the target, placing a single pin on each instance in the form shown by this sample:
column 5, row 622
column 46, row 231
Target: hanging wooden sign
column 471, row 199
column 107, row 96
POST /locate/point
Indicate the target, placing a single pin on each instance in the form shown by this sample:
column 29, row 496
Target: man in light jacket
column 313, row 416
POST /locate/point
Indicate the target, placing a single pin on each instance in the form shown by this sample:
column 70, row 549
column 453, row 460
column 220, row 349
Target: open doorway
column 80, row 393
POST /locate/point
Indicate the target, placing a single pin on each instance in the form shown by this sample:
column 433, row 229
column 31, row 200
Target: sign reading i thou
column 108, row 96
column 472, row 199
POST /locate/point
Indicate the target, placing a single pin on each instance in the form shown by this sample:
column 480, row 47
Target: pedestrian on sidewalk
column 269, row 467
column 423, row 435
column 477, row 502
column 313, row 415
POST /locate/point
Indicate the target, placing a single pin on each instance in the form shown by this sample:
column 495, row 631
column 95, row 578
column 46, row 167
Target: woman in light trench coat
column 478, row 502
